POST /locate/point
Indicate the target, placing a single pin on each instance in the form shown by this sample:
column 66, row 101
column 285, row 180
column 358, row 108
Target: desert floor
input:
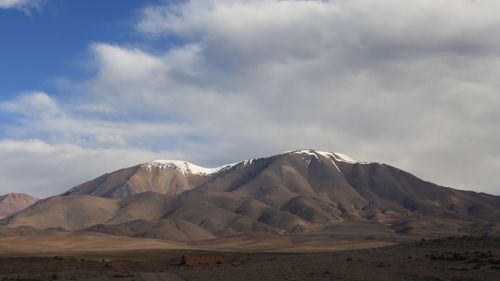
column 454, row 259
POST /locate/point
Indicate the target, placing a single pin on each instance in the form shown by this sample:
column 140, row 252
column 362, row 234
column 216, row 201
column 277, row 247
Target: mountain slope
column 303, row 193
column 14, row 202
column 166, row 177
column 388, row 188
column 71, row 213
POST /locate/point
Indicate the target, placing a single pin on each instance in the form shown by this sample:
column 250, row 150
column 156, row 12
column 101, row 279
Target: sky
column 88, row 87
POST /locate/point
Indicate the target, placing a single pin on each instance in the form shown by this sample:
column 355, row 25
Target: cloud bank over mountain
column 413, row 84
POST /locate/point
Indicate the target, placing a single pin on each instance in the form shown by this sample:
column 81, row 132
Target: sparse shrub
column 123, row 275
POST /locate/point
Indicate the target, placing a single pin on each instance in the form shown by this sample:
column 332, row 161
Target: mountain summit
column 171, row 177
column 14, row 202
column 302, row 194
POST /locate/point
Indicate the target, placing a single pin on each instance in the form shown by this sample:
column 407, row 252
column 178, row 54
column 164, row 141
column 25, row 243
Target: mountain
column 305, row 195
column 14, row 202
column 169, row 177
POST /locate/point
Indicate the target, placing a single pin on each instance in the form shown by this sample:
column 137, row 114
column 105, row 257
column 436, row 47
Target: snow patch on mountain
column 316, row 153
column 185, row 167
column 304, row 151
column 188, row 168
column 245, row 162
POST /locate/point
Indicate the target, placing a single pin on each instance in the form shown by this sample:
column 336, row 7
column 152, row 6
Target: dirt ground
column 452, row 259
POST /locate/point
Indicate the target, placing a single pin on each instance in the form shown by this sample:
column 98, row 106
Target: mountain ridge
column 304, row 193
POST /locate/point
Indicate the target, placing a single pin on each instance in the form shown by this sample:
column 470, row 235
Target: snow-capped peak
column 185, row 167
column 189, row 168
column 316, row 153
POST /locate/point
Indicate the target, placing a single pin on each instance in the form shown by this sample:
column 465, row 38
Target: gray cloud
column 42, row 169
column 413, row 84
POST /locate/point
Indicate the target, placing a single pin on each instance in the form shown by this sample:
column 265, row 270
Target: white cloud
column 123, row 65
column 41, row 116
column 30, row 104
column 413, row 84
column 24, row 5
